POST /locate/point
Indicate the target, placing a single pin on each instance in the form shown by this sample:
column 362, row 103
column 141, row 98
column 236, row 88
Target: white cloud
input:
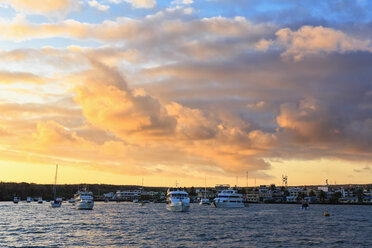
column 55, row 8
column 145, row 4
column 185, row 2
column 98, row 6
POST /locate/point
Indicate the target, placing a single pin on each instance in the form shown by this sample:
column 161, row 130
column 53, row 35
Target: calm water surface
column 132, row 225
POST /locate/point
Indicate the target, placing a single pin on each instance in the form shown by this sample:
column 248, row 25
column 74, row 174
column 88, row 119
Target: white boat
column 29, row 199
column 84, row 200
column 16, row 199
column 178, row 201
column 57, row 202
column 40, row 200
column 205, row 201
column 228, row 199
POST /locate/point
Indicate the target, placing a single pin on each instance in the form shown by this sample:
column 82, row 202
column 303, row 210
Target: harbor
column 318, row 194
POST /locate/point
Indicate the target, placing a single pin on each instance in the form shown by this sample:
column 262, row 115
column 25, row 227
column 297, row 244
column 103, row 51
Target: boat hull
column 205, row 201
column 84, row 205
column 178, row 207
column 228, row 204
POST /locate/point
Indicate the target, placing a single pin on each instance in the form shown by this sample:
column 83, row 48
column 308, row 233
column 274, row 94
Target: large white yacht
column 84, row 200
column 178, row 201
column 228, row 199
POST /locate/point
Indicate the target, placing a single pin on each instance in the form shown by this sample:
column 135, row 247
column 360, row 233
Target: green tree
column 335, row 197
column 322, row 196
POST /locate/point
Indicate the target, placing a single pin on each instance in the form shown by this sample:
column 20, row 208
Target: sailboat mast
column 205, row 187
column 55, row 183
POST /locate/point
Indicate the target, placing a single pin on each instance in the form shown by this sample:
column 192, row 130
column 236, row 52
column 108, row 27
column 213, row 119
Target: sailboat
column 57, row 202
column 205, row 200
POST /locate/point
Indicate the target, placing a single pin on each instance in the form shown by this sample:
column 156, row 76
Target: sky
column 194, row 92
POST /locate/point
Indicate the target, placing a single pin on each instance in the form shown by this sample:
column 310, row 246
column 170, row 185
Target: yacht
column 228, row 199
column 204, row 201
column 178, row 201
column 84, row 200
column 16, row 199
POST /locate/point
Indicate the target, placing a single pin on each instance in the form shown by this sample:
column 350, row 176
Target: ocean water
column 131, row 225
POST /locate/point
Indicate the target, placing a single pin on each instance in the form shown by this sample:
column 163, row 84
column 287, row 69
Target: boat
column 72, row 201
column 29, row 199
column 304, row 205
column 57, row 202
column 16, row 199
column 84, row 200
column 178, row 201
column 205, row 200
column 40, row 200
column 228, row 199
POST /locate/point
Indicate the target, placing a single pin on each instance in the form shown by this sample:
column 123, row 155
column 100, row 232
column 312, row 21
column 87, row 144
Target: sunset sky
column 116, row 91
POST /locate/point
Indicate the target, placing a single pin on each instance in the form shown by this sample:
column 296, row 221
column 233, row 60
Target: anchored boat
column 178, row 201
column 84, row 200
column 228, row 199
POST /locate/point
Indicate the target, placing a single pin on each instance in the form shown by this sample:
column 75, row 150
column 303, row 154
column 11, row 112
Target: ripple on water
column 127, row 224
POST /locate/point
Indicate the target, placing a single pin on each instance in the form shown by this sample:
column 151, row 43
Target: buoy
column 326, row 213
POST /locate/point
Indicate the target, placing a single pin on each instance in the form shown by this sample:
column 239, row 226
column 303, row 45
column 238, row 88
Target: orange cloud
column 7, row 77
column 46, row 7
column 112, row 106
column 314, row 40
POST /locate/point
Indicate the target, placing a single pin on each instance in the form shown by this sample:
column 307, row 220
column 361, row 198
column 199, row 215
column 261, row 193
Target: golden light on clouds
column 173, row 93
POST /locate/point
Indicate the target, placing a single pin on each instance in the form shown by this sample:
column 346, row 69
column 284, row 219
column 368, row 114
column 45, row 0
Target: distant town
column 322, row 194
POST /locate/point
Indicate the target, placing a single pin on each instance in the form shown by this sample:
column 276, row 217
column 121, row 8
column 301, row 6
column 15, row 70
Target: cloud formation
column 52, row 8
column 314, row 40
column 146, row 4
column 175, row 89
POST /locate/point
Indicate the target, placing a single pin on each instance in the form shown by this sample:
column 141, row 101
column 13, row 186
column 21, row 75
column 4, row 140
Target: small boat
column 40, row 200
column 29, row 199
column 205, row 200
column 57, row 202
column 178, row 201
column 304, row 205
column 16, row 199
column 84, row 200
column 228, row 199
column 72, row 200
